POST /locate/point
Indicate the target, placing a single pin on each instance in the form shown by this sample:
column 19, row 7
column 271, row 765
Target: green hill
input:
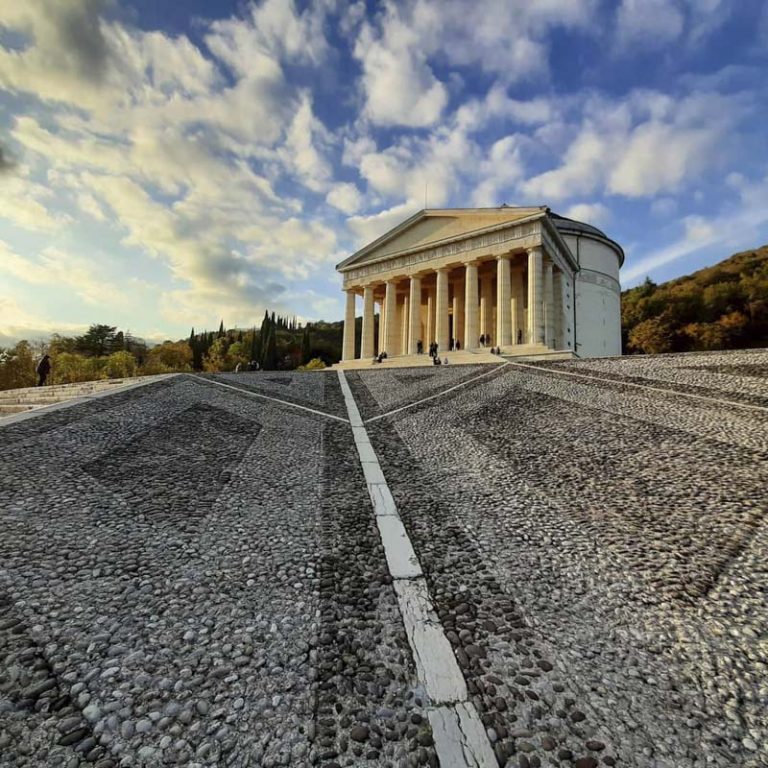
column 721, row 307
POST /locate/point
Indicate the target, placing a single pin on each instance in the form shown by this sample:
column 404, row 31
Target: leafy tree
column 69, row 367
column 17, row 366
column 652, row 336
column 60, row 343
column 237, row 353
column 315, row 364
column 120, row 365
column 721, row 307
column 173, row 355
column 216, row 359
column 97, row 341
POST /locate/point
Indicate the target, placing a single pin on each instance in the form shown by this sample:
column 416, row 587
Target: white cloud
column 664, row 207
column 368, row 228
column 590, row 213
column 25, row 204
column 645, row 145
column 400, row 87
column 734, row 227
column 90, row 205
column 17, row 323
column 499, row 172
column 345, row 196
column 304, row 148
column 650, row 23
column 504, row 37
column 64, row 271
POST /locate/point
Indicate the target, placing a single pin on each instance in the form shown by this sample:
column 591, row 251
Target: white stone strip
column 459, row 736
column 272, row 399
column 15, row 418
column 437, row 394
column 663, row 390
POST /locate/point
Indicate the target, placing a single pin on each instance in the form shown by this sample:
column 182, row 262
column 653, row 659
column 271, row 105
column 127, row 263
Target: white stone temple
column 525, row 279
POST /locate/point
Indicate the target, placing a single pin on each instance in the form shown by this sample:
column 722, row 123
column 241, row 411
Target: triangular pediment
column 431, row 227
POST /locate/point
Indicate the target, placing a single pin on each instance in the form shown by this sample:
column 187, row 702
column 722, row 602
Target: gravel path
column 193, row 576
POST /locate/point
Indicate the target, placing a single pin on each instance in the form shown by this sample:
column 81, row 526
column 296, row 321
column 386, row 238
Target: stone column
column 514, row 306
column 503, row 302
column 441, row 311
column 390, row 318
column 414, row 318
column 549, row 306
column 458, row 313
column 348, row 342
column 404, row 307
column 471, row 308
column 430, row 334
column 486, row 305
column 366, row 346
column 380, row 339
column 535, row 297
column 557, row 290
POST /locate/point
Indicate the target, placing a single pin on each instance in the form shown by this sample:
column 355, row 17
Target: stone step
column 32, row 400
column 6, row 409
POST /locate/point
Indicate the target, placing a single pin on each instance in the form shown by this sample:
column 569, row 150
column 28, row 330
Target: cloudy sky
column 165, row 164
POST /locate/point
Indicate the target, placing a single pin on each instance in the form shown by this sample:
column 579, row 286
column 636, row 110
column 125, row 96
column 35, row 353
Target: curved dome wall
column 597, row 289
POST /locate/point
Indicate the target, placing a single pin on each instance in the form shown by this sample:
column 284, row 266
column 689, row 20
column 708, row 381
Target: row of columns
column 400, row 324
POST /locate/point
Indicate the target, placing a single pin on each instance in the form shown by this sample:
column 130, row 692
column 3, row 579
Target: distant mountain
column 721, row 307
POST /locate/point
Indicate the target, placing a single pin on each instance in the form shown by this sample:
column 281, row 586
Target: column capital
column 533, row 250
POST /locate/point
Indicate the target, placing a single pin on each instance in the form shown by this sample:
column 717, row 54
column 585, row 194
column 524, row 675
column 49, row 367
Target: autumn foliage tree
column 721, row 307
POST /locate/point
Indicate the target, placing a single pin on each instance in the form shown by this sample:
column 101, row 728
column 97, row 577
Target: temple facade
column 524, row 279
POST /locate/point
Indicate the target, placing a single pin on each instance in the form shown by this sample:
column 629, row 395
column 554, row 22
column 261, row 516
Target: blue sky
column 167, row 164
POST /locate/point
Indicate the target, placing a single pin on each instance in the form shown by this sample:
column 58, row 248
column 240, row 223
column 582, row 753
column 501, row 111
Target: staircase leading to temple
column 28, row 398
column 520, row 352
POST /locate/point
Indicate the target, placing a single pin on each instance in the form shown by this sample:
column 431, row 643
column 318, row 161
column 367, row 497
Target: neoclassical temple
column 525, row 279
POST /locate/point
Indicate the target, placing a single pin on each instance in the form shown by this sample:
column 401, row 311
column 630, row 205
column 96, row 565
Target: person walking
column 43, row 369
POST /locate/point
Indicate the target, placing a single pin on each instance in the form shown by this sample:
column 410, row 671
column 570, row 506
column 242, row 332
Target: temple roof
column 433, row 226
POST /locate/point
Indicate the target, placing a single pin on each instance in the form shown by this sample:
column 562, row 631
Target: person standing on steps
column 43, row 369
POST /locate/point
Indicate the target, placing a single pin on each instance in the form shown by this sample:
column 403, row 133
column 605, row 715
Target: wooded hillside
column 721, row 307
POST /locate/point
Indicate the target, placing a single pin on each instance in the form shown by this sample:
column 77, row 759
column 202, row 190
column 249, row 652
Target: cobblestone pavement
column 192, row 575
column 601, row 549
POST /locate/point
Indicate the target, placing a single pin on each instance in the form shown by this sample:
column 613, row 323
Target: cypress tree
column 270, row 351
column 221, row 329
column 305, row 347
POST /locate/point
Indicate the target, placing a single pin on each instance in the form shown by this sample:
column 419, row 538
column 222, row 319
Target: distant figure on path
column 445, row 362
column 436, row 360
column 43, row 369
column 237, row 368
column 519, row 335
column 458, row 345
column 482, row 339
column 419, row 347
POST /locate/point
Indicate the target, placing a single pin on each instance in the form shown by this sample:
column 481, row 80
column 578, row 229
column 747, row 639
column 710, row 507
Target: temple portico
column 452, row 277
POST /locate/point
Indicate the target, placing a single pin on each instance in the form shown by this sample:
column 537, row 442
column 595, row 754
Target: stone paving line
column 273, row 399
column 495, row 369
column 459, row 735
column 616, row 382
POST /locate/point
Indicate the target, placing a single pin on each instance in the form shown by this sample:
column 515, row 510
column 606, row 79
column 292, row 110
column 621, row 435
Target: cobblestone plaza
column 193, row 572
